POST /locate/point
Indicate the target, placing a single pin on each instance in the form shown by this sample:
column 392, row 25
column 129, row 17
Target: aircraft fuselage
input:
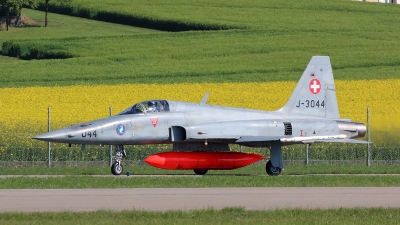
column 198, row 123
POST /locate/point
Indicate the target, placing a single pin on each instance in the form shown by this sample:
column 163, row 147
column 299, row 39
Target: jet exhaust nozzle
column 352, row 130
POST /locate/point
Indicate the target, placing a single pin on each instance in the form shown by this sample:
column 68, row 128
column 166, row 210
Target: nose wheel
column 117, row 168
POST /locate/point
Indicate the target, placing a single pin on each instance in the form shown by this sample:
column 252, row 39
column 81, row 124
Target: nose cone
column 53, row 136
column 156, row 160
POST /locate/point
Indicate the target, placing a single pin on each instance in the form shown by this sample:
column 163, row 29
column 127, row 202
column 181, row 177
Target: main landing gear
column 271, row 170
column 275, row 164
column 117, row 168
column 200, row 172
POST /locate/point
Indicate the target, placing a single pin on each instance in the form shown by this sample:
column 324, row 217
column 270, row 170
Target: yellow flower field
column 80, row 103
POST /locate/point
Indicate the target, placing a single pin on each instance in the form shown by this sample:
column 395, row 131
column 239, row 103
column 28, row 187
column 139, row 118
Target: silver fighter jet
column 200, row 133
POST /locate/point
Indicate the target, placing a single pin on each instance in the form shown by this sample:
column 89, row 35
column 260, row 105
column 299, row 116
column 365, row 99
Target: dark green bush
column 32, row 50
column 10, row 49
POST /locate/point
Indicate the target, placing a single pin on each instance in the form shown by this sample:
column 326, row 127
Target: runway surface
column 163, row 199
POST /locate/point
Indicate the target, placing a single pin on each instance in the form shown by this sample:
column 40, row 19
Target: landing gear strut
column 117, row 168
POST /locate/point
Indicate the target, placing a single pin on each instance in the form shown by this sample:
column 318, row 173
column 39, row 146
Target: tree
column 61, row 2
column 46, row 11
column 14, row 7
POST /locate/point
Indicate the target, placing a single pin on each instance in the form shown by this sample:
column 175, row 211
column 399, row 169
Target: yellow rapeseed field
column 80, row 103
column 25, row 109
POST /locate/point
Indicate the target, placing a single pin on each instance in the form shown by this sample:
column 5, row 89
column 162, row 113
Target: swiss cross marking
column 154, row 121
column 315, row 86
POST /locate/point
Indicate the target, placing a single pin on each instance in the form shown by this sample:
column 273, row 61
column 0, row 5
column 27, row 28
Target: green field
column 212, row 216
column 271, row 41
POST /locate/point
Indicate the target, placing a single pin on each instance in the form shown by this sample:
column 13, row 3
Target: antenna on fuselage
column 204, row 99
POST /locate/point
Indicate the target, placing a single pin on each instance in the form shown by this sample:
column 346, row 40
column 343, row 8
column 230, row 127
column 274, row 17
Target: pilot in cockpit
column 152, row 107
column 163, row 105
column 159, row 107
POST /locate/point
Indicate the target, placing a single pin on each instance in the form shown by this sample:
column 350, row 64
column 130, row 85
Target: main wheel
column 200, row 172
column 117, row 168
column 272, row 171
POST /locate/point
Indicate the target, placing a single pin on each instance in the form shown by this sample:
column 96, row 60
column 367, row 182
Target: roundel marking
column 315, row 86
column 120, row 129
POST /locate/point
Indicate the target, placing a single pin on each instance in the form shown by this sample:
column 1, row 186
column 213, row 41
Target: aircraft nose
column 53, row 136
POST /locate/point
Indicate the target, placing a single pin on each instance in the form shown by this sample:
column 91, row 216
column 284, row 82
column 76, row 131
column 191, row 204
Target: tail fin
column 315, row 93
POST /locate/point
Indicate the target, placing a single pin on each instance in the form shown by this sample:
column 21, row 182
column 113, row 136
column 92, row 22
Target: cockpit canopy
column 151, row 106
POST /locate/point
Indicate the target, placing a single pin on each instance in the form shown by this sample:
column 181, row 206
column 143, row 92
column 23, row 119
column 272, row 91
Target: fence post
column 48, row 125
column 369, row 139
column 111, row 147
column 307, row 154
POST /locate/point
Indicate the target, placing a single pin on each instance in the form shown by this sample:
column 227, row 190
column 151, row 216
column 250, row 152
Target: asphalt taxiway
column 163, row 199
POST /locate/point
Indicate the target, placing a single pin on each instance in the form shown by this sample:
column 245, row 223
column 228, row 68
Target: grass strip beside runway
column 212, row 216
column 72, row 182
column 257, row 169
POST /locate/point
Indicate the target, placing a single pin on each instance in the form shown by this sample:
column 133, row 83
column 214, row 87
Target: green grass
column 252, row 170
column 275, row 43
column 212, row 216
column 252, row 176
column 194, row 181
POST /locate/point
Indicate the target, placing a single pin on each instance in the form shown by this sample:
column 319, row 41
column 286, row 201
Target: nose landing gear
column 117, row 168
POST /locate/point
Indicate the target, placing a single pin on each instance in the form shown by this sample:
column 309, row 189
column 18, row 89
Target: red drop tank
column 202, row 160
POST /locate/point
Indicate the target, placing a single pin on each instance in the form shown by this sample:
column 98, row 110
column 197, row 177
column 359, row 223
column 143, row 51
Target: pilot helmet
column 151, row 105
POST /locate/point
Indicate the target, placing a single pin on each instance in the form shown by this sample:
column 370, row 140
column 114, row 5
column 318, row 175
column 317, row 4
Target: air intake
column 288, row 128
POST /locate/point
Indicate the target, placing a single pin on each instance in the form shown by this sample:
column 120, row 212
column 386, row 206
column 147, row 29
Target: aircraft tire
column 117, row 168
column 200, row 172
column 272, row 171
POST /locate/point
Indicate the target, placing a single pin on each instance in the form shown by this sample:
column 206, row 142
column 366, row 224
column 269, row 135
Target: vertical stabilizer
column 315, row 93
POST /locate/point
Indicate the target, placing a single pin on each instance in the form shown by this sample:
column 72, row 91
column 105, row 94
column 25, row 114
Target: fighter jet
column 200, row 133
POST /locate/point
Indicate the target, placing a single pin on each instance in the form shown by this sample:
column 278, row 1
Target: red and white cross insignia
column 315, row 86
